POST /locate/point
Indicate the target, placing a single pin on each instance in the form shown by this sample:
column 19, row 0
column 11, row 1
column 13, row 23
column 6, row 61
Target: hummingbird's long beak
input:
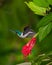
column 12, row 31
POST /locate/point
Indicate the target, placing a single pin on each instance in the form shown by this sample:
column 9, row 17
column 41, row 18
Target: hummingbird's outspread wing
column 27, row 27
column 28, row 31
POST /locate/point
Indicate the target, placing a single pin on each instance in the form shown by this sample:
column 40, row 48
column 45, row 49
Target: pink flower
column 26, row 50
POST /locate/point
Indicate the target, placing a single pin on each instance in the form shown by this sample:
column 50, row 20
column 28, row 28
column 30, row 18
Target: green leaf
column 36, row 9
column 41, row 3
column 44, row 31
column 50, row 2
column 42, row 59
column 45, row 20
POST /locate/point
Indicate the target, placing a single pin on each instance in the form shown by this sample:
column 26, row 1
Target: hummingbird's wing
column 28, row 30
column 27, row 27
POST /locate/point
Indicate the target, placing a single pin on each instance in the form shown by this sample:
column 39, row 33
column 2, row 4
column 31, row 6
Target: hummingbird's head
column 18, row 32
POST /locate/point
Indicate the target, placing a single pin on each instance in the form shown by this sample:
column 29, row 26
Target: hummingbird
column 28, row 32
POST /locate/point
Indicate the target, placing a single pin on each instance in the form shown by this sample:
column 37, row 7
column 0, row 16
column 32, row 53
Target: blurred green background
column 15, row 15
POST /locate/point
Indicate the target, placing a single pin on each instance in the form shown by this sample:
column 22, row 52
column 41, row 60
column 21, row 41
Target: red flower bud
column 28, row 47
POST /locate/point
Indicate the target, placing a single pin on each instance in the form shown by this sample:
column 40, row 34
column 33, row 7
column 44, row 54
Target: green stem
column 36, row 34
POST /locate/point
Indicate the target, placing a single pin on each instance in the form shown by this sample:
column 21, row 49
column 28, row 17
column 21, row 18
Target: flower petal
column 28, row 47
